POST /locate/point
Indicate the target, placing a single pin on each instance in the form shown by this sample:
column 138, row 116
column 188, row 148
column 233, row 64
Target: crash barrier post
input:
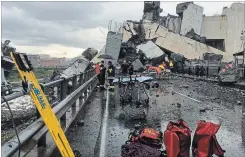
column 35, row 140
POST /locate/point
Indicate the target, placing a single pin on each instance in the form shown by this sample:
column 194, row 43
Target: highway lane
column 179, row 98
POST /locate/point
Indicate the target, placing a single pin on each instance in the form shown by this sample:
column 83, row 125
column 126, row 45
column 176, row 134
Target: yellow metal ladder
column 28, row 77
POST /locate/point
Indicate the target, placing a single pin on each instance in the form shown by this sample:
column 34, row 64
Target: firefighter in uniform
column 111, row 74
column 171, row 64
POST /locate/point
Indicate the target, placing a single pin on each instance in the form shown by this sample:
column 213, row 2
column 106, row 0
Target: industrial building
column 225, row 31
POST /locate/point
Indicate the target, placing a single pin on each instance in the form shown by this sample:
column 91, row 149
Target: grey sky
column 67, row 28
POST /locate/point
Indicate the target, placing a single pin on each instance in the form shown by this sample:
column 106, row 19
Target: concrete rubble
column 79, row 64
column 138, row 66
column 167, row 35
column 90, row 53
column 156, row 38
column 150, row 50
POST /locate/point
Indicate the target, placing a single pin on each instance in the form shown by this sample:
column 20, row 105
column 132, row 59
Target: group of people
column 127, row 69
column 165, row 66
column 102, row 72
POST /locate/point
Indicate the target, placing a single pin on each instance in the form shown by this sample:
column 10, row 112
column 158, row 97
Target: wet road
column 221, row 104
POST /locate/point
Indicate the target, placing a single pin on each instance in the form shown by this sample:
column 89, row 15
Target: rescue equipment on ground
column 139, row 83
column 147, row 136
column 205, row 143
column 177, row 139
column 139, row 150
column 143, row 142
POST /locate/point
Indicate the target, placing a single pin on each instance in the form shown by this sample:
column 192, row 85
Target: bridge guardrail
column 72, row 94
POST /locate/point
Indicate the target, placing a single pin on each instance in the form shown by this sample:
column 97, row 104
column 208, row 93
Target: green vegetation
column 39, row 72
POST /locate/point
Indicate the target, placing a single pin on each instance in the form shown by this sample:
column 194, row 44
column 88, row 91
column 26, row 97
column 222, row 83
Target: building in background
column 53, row 62
column 35, row 60
column 224, row 31
column 44, row 56
column 43, row 60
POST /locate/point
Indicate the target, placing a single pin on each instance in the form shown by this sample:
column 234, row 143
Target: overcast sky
column 65, row 29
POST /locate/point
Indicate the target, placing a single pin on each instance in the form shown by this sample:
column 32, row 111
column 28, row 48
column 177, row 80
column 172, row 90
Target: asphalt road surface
column 107, row 124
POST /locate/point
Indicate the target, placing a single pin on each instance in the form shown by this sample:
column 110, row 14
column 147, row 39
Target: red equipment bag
column 177, row 139
column 205, row 143
column 147, row 136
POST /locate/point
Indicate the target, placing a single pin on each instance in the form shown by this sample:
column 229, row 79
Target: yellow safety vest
column 171, row 64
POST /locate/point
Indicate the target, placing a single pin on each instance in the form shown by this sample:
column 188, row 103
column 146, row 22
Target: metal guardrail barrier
column 35, row 139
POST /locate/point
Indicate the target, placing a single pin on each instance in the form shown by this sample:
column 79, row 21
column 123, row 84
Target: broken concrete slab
column 113, row 44
column 76, row 66
column 176, row 57
column 96, row 59
column 90, row 53
column 192, row 35
column 173, row 42
column 177, row 43
column 138, row 66
column 150, row 50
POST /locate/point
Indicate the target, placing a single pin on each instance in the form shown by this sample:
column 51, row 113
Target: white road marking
column 104, row 127
column 187, row 97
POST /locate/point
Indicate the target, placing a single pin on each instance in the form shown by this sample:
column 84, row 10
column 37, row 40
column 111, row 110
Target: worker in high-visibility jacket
column 162, row 66
column 157, row 69
column 171, row 64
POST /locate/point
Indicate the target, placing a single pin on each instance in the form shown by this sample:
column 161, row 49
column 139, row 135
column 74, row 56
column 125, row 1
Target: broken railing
column 70, row 96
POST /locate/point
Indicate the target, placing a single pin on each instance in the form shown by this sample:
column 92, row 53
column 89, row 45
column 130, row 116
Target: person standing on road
column 171, row 64
column 102, row 75
column 130, row 71
column 97, row 70
column 124, row 68
column 111, row 74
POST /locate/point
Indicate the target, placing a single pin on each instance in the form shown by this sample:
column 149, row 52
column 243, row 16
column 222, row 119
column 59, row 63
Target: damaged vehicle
column 229, row 73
